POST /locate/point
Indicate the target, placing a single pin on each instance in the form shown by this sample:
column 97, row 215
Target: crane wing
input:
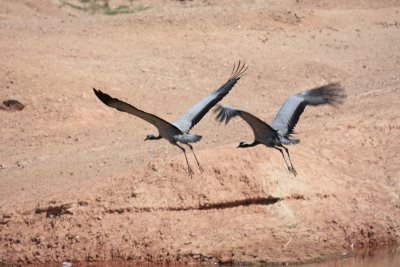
column 125, row 107
column 191, row 117
column 289, row 114
column 262, row 131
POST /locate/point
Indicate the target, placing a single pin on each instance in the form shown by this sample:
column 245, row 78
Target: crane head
column 152, row 137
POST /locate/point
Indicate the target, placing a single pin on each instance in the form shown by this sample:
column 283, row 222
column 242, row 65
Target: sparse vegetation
column 104, row 7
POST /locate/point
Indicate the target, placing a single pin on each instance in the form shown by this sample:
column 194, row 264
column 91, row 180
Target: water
column 389, row 257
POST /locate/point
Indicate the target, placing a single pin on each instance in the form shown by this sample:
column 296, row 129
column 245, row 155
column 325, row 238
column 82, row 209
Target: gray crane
column 178, row 131
column 279, row 133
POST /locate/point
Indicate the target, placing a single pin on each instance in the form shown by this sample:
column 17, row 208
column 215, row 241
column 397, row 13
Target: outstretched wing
column 191, row 117
column 289, row 114
column 262, row 131
column 125, row 107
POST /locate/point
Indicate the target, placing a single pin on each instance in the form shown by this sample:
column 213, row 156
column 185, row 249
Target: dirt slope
column 78, row 183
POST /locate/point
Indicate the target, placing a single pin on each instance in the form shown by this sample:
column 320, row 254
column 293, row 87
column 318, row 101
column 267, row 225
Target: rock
column 12, row 105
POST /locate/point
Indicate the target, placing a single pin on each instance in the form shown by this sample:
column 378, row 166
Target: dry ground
column 78, row 183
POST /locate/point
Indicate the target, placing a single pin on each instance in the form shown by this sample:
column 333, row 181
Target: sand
column 78, row 183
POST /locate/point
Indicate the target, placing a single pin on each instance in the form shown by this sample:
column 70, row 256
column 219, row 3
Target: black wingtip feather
column 102, row 96
column 332, row 94
column 233, row 69
column 225, row 114
column 335, row 94
column 238, row 71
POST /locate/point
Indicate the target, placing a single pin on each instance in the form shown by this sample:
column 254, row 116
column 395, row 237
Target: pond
column 388, row 257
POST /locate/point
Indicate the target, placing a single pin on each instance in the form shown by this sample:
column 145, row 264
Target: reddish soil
column 78, row 183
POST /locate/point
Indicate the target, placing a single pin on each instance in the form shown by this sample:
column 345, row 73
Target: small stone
column 12, row 104
column 83, row 203
column 7, row 215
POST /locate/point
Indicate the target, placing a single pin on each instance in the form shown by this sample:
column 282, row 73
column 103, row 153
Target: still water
column 388, row 257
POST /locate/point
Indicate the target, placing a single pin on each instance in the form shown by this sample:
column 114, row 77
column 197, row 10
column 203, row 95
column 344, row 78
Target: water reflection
column 389, row 257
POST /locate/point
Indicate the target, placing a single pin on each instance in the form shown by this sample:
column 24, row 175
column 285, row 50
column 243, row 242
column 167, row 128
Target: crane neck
column 244, row 144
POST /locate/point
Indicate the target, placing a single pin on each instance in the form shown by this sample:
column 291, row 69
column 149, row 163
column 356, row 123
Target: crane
column 279, row 132
column 178, row 131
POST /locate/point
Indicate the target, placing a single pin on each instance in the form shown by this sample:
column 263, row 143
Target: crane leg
column 293, row 170
column 190, row 171
column 287, row 165
column 198, row 164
